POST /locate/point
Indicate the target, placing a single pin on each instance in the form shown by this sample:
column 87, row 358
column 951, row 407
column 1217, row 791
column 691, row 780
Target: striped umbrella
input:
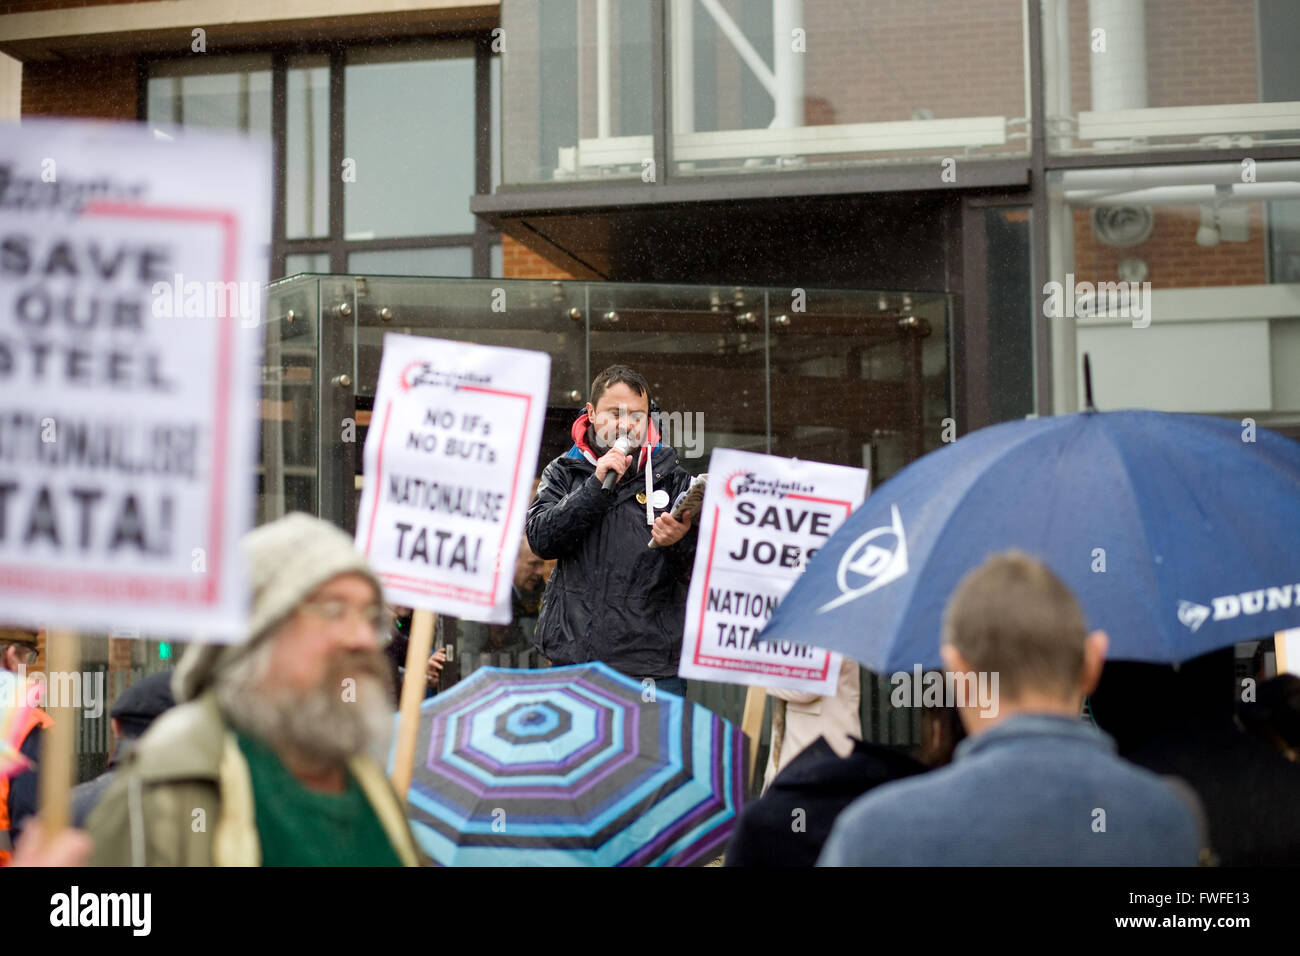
column 572, row 766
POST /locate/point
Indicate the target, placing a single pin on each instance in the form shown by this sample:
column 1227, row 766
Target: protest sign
column 131, row 274
column 1286, row 646
column 449, row 462
column 764, row 517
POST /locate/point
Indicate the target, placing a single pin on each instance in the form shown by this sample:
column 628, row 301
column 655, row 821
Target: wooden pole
column 417, row 661
column 58, row 742
column 751, row 724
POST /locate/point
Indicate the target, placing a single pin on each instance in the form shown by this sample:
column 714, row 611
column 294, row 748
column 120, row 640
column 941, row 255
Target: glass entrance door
column 858, row 378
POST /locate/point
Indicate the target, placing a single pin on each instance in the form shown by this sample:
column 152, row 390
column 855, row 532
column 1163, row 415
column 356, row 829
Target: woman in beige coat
column 799, row 718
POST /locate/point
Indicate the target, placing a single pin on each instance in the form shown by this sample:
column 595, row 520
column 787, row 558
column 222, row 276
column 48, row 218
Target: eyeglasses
column 375, row 616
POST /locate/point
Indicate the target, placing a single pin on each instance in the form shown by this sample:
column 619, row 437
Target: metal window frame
column 479, row 242
column 1019, row 180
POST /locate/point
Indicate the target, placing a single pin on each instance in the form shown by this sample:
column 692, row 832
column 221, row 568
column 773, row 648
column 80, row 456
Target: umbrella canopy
column 1179, row 534
column 571, row 766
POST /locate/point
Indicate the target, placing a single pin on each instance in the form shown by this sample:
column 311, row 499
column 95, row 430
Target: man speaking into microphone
column 612, row 597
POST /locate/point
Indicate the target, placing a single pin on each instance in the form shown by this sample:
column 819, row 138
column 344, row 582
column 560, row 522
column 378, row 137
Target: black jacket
column 611, row 598
column 23, row 797
column 820, row 784
column 1181, row 723
column 1249, row 789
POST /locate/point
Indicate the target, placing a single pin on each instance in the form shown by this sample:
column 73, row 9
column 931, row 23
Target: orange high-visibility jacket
column 33, row 717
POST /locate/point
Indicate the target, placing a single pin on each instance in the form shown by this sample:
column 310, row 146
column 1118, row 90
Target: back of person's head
column 1013, row 617
column 941, row 732
column 25, row 640
column 142, row 702
column 616, row 375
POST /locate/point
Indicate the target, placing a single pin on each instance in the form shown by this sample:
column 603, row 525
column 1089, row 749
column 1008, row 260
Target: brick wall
column 520, row 262
column 1171, row 253
column 102, row 88
column 120, row 650
column 884, row 60
column 1200, row 53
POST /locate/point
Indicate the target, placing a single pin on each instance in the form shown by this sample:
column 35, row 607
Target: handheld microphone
column 611, row 476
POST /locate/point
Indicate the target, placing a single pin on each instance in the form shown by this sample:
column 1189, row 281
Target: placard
column 449, row 462
column 763, row 519
column 131, row 282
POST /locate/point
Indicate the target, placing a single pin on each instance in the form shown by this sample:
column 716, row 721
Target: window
column 307, row 141
column 404, row 134
column 456, row 261
column 409, row 135
column 1133, row 77
column 232, row 92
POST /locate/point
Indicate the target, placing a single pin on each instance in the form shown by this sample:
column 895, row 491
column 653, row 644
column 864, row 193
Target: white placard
column 449, row 462
column 763, row 517
column 132, row 271
column 1287, row 647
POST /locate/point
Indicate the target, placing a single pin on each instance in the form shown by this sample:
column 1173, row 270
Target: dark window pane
column 1010, row 315
column 307, row 138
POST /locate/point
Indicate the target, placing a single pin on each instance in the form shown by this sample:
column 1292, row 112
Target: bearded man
column 270, row 757
column 611, row 598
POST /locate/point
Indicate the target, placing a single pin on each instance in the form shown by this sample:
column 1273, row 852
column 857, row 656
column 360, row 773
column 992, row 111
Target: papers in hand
column 689, row 501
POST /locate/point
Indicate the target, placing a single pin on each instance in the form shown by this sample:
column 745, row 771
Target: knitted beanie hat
column 287, row 560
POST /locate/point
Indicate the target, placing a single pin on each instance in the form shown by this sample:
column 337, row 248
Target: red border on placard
column 743, row 666
column 144, row 587
column 421, row 585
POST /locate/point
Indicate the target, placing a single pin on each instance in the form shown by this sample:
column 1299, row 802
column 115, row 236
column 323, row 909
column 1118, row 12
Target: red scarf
column 579, row 432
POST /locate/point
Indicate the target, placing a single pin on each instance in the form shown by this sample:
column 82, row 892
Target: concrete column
column 1117, row 73
column 786, row 16
column 11, row 88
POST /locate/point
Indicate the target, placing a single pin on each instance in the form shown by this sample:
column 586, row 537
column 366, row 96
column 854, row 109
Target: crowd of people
column 250, row 754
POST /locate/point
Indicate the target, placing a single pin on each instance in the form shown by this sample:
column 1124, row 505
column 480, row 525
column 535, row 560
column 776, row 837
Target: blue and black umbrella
column 1179, row 534
column 572, row 766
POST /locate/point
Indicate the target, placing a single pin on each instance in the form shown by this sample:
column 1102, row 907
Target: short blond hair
column 1014, row 617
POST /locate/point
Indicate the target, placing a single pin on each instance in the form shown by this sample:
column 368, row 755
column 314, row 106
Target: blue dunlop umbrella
column 572, row 766
column 1179, row 534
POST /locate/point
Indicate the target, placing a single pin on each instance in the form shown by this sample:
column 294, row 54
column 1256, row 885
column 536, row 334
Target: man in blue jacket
column 611, row 597
column 1033, row 785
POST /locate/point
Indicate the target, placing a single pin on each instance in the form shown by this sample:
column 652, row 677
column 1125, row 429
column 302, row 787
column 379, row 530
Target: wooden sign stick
column 417, row 661
column 58, row 741
column 751, row 724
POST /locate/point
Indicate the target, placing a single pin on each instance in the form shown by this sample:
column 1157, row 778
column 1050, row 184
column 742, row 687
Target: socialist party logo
column 871, row 562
